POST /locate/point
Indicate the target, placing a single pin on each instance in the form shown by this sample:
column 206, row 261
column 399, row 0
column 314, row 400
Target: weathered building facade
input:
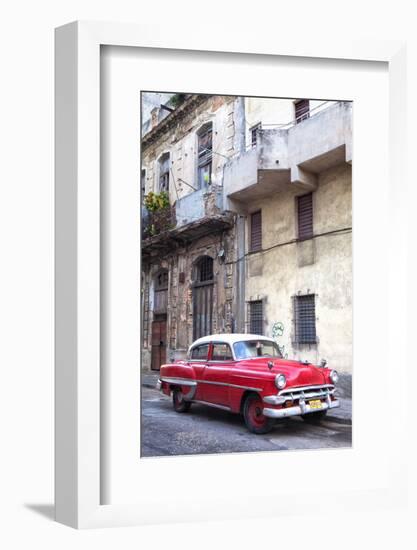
column 258, row 237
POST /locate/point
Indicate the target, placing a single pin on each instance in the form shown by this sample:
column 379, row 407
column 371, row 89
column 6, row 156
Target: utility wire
column 292, row 241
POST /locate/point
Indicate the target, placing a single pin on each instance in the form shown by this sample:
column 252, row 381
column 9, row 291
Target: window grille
column 205, row 269
column 305, row 319
column 256, row 317
column 254, row 134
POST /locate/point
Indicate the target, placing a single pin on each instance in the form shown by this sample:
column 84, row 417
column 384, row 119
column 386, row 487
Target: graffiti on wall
column 277, row 332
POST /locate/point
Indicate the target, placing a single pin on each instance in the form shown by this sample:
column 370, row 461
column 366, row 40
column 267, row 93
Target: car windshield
column 256, row 348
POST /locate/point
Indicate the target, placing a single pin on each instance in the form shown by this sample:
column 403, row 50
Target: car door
column 198, row 360
column 216, row 375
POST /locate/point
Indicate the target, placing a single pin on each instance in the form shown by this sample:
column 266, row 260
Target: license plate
column 315, row 404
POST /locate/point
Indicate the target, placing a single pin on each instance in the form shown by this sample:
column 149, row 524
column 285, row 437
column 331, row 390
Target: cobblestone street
column 205, row 430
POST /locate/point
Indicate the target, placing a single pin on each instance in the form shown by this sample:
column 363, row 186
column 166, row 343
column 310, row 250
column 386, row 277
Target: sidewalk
column 341, row 415
column 149, row 380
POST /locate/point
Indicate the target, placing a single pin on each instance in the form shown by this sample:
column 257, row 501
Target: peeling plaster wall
column 322, row 266
column 182, row 141
column 180, row 308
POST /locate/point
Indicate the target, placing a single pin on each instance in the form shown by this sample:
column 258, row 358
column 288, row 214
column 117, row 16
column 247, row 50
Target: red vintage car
column 246, row 373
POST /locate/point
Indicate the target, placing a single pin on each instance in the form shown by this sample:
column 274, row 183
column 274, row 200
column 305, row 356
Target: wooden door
column 159, row 344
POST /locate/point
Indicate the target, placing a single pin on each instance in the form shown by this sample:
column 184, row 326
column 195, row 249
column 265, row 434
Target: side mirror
column 323, row 363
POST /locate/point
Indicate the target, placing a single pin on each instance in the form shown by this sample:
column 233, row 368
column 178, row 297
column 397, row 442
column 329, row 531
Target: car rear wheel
column 255, row 420
column 314, row 418
column 180, row 404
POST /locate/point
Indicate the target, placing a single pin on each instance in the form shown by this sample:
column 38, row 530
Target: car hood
column 296, row 372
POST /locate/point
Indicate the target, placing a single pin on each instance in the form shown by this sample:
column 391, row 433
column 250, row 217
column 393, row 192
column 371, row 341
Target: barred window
column 254, row 134
column 305, row 319
column 205, row 269
column 256, row 317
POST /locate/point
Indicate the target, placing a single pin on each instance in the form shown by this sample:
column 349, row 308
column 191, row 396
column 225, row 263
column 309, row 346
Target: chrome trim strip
column 222, row 407
column 228, row 385
column 295, row 411
column 189, row 382
column 179, row 381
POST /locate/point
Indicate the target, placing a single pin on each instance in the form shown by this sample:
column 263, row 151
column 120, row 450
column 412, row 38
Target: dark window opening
column 305, row 216
column 205, row 153
column 256, row 231
column 143, row 182
column 256, row 317
column 205, row 269
column 161, row 281
column 302, row 110
column 164, row 167
column 305, row 319
column 254, row 134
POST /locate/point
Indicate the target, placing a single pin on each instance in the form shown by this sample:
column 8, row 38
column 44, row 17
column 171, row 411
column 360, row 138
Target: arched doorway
column 203, row 297
column 159, row 323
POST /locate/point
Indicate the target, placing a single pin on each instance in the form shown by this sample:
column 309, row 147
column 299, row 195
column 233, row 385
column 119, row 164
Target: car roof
column 229, row 338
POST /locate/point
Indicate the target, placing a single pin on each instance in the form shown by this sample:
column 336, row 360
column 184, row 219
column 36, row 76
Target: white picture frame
column 78, row 404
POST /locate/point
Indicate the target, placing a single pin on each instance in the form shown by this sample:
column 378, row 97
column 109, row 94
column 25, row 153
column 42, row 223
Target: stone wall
column 180, row 294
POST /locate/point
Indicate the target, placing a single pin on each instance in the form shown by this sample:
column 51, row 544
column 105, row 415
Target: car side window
column 200, row 352
column 221, row 352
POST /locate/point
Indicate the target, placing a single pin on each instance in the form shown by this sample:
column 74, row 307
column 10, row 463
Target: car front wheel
column 255, row 420
column 180, row 404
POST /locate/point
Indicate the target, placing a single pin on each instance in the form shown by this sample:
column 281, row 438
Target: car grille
column 307, row 392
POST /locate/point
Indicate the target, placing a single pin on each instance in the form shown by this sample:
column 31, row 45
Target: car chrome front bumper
column 302, row 408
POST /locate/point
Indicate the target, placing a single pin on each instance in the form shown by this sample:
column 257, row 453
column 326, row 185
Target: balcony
column 197, row 214
column 291, row 156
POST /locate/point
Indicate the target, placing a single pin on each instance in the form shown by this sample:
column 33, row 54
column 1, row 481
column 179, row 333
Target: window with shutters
column 255, row 231
column 305, row 216
column 164, row 167
column 302, row 110
column 161, row 292
column 203, row 292
column 256, row 317
column 305, row 319
column 205, row 154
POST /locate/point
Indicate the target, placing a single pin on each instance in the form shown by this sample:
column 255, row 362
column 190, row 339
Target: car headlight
column 280, row 381
column 334, row 377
